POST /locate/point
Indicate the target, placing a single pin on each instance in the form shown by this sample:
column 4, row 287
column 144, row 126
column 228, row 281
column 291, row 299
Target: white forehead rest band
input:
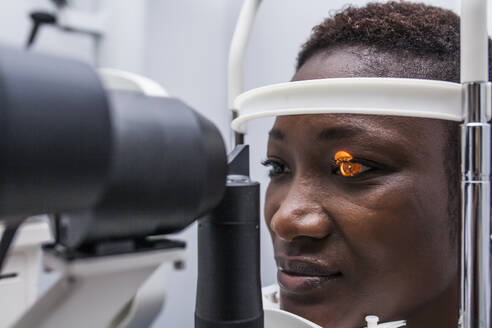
column 371, row 96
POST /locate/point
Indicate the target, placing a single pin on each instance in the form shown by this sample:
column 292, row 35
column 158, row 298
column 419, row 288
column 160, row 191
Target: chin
column 321, row 308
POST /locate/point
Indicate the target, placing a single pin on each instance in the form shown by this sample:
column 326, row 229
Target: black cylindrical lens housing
column 229, row 286
column 168, row 167
column 55, row 134
column 118, row 165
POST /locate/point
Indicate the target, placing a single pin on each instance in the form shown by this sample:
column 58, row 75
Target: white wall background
column 183, row 45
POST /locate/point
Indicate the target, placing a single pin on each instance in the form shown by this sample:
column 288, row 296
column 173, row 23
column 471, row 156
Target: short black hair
column 405, row 29
column 424, row 40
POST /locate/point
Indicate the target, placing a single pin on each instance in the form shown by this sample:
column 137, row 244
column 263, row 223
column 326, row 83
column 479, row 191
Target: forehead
column 407, row 134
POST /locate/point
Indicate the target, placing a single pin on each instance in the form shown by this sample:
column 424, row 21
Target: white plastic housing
column 115, row 79
column 19, row 287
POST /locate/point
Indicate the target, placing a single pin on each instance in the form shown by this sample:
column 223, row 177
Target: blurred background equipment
column 115, row 167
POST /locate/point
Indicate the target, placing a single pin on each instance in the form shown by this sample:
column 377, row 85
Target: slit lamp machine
column 110, row 157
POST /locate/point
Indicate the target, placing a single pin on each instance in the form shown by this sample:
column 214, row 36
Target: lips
column 299, row 276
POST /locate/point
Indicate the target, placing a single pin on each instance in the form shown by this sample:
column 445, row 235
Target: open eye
column 277, row 168
column 347, row 166
column 351, row 168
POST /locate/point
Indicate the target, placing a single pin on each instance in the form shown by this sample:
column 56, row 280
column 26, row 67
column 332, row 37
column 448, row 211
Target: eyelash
column 277, row 168
column 366, row 168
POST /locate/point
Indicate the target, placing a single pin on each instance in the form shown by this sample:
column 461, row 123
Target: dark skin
column 375, row 243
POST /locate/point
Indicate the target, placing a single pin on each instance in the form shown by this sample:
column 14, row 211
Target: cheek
column 399, row 229
column 399, row 213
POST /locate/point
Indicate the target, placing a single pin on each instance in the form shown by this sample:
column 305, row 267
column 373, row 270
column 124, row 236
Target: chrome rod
column 475, row 261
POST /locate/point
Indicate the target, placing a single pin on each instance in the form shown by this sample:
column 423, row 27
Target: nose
column 300, row 214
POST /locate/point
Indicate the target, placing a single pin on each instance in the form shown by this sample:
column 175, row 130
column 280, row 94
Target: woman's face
column 378, row 242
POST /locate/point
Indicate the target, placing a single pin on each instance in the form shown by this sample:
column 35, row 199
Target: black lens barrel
column 229, row 285
column 168, row 167
column 55, row 134
column 112, row 165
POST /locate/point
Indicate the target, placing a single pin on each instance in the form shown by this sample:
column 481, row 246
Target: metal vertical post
column 475, row 265
column 475, row 143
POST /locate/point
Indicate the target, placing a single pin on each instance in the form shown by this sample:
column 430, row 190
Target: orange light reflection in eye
column 343, row 156
column 347, row 168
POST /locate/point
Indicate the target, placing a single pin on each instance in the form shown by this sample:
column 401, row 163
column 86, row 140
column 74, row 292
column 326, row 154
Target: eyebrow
column 337, row 132
column 276, row 134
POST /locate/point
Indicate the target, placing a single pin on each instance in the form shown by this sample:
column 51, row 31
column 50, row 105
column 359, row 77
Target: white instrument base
column 19, row 280
column 95, row 292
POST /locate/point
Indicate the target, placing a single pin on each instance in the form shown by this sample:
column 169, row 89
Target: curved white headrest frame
column 374, row 96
